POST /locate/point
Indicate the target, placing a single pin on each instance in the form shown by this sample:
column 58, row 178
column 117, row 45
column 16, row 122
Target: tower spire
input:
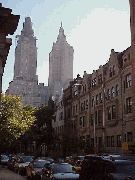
column 27, row 27
column 61, row 30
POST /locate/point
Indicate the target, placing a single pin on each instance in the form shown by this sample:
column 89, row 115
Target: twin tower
column 25, row 81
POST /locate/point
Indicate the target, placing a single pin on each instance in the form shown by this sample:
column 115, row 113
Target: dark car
column 99, row 168
column 4, row 160
column 21, row 164
column 34, row 169
column 58, row 171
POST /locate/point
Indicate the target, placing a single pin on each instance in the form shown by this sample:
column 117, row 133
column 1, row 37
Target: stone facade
column 60, row 64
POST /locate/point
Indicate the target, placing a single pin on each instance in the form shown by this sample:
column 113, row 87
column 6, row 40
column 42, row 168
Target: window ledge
column 112, row 123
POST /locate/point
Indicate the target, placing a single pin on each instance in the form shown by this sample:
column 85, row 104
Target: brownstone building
column 98, row 107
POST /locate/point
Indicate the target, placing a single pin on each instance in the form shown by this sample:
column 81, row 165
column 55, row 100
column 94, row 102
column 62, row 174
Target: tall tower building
column 60, row 64
column 25, row 81
column 26, row 53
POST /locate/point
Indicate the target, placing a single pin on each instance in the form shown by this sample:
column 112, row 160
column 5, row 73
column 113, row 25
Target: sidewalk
column 6, row 174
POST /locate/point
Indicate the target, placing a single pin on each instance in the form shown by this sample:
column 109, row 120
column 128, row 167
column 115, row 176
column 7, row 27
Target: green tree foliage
column 15, row 119
column 43, row 125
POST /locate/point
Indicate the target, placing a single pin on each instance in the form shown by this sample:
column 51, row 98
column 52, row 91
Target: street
column 6, row 174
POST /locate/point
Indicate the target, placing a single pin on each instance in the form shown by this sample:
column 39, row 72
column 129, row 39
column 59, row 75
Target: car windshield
column 4, row 157
column 126, row 168
column 42, row 158
column 26, row 158
column 62, row 168
column 39, row 164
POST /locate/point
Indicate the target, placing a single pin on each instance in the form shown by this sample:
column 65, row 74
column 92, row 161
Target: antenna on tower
column 61, row 24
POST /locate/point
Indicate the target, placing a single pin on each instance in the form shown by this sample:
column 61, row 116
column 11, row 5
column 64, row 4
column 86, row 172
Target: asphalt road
column 6, row 174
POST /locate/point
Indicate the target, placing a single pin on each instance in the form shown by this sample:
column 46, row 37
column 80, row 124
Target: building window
column 129, row 105
column 95, row 117
column 108, row 94
column 76, row 108
column 113, row 112
column 108, row 141
column 128, row 80
column 100, row 142
column 117, row 90
column 112, row 141
column 118, row 140
column 111, row 72
column 85, row 87
column 61, row 115
column 86, row 104
column 100, row 97
column 68, row 112
column 83, row 121
column 81, row 106
column 91, row 119
column 76, row 93
column 114, row 69
column 124, row 85
column 109, row 112
column 93, row 101
column 100, row 79
column 129, row 136
column 73, row 110
column 94, row 82
column 112, row 92
column 80, row 121
column 125, row 138
column 96, row 99
column 65, row 113
column 99, row 116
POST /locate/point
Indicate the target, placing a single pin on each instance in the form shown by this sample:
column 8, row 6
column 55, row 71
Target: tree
column 15, row 119
column 42, row 127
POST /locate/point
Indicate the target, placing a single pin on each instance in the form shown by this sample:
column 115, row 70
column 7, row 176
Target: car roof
column 110, row 159
column 60, row 163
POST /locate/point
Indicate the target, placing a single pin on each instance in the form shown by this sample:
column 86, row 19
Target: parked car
column 34, row 169
column 49, row 159
column 4, row 160
column 21, row 164
column 58, row 171
column 97, row 167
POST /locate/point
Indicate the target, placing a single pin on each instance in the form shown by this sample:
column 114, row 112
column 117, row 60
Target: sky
column 93, row 28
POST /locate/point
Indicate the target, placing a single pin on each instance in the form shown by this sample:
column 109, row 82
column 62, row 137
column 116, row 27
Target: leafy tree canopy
column 15, row 119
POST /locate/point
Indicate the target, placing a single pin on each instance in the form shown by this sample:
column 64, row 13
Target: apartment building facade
column 98, row 107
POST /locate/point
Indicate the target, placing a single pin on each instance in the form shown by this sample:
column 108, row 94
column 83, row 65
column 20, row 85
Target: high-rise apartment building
column 26, row 53
column 25, row 81
column 60, row 64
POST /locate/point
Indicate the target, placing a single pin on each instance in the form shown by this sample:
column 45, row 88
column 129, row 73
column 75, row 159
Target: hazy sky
column 93, row 28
